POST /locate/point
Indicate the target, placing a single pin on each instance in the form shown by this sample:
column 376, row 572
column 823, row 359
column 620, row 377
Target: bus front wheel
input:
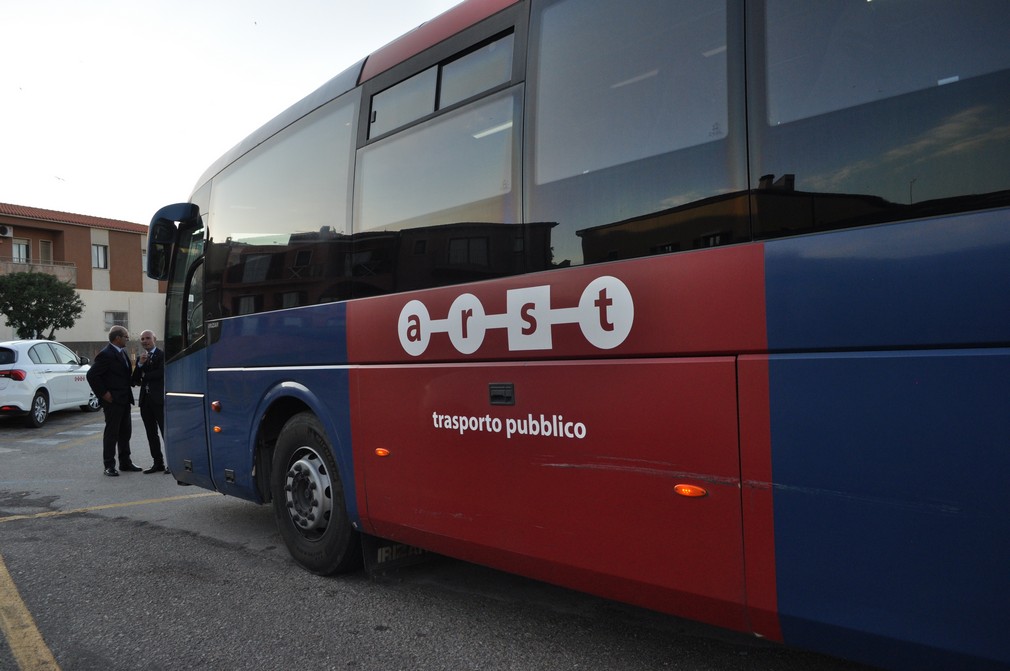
column 308, row 499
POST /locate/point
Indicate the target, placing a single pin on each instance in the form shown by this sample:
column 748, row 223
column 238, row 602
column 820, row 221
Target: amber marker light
column 381, row 452
column 690, row 491
column 215, row 406
column 217, row 429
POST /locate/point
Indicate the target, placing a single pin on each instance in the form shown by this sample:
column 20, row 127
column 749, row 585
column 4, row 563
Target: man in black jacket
column 109, row 378
column 149, row 375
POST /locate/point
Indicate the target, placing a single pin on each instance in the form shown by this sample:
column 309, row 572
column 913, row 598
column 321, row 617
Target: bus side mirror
column 163, row 235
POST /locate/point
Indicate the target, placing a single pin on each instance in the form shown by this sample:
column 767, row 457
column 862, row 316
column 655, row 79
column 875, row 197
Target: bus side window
column 194, row 327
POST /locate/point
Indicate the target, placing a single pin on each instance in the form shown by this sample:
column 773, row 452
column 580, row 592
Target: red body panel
column 603, row 503
column 593, row 508
column 705, row 303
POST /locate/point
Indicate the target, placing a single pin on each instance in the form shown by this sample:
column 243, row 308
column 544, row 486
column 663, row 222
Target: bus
column 698, row 305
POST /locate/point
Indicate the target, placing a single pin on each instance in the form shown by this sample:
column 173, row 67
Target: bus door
column 186, row 443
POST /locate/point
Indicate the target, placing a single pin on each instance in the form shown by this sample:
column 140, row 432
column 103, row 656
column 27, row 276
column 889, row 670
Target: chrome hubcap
column 308, row 492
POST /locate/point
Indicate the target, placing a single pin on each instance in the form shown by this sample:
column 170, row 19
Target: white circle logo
column 605, row 314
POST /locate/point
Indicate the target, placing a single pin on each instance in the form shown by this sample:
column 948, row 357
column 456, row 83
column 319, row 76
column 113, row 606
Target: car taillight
column 15, row 374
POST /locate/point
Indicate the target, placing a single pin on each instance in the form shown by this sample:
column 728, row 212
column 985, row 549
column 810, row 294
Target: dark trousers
column 153, row 414
column 118, row 429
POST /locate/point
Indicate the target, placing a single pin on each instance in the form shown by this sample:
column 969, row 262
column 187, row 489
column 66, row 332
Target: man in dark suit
column 109, row 378
column 149, row 375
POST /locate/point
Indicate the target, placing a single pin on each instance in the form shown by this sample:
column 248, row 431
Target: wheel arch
column 281, row 403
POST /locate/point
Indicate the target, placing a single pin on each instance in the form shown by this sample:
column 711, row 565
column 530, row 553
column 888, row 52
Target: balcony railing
column 62, row 270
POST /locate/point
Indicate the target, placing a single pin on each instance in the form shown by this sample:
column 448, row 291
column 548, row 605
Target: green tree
column 36, row 302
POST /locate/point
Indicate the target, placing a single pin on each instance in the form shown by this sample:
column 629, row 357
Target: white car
column 40, row 376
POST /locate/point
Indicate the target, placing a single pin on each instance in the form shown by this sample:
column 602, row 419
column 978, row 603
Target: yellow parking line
column 30, row 651
column 125, row 504
column 24, row 639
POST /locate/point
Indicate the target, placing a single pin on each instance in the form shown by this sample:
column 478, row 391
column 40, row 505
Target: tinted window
column 476, row 72
column 400, row 104
column 7, row 356
column 456, row 167
column 453, row 81
column 296, row 182
column 286, row 201
column 621, row 83
column 877, row 111
column 430, row 201
column 630, row 117
column 179, row 317
column 827, row 56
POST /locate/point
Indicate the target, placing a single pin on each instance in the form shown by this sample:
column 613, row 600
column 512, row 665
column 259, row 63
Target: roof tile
column 40, row 214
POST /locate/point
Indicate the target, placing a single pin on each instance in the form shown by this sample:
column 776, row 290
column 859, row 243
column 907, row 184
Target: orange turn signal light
column 218, row 429
column 691, row 491
column 381, row 452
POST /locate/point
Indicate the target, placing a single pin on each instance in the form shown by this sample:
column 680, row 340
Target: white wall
column 145, row 310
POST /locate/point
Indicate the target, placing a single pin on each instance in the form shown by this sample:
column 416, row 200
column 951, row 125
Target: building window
column 468, row 251
column 117, row 318
column 46, row 251
column 22, row 251
column 100, row 256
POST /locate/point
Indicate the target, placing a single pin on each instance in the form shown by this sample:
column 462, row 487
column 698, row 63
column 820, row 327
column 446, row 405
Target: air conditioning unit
column 6, row 231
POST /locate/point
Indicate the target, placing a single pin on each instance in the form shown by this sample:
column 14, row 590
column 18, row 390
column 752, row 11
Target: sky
column 114, row 108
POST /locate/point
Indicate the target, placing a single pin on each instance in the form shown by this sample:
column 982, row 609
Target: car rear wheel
column 39, row 411
column 93, row 404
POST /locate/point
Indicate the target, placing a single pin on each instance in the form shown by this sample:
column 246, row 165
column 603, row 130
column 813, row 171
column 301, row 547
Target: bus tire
column 308, row 499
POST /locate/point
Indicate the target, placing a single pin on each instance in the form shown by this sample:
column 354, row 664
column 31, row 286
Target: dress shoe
column 111, row 472
column 157, row 468
column 131, row 468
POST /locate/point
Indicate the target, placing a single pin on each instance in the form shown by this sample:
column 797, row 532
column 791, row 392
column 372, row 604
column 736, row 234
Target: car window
column 42, row 354
column 7, row 355
column 64, row 354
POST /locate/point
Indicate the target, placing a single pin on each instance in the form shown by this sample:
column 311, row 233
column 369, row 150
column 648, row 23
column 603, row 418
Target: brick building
column 103, row 259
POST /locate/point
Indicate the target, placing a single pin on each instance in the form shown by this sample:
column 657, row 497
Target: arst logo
column 604, row 314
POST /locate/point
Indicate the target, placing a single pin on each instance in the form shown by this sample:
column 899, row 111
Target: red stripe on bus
column 430, row 33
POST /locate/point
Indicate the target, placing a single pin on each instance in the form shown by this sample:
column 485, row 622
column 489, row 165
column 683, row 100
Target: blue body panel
column 941, row 282
column 186, row 441
column 247, row 372
column 891, row 508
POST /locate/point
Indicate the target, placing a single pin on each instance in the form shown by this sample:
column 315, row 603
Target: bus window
column 182, row 325
column 194, row 304
column 464, row 77
column 630, row 117
column 476, row 72
column 280, row 218
column 898, row 122
column 449, row 178
column 399, row 105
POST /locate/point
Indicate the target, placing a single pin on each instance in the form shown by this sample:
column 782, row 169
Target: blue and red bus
column 700, row 305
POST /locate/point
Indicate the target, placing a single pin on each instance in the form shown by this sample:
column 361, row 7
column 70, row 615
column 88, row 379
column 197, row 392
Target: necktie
column 126, row 359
